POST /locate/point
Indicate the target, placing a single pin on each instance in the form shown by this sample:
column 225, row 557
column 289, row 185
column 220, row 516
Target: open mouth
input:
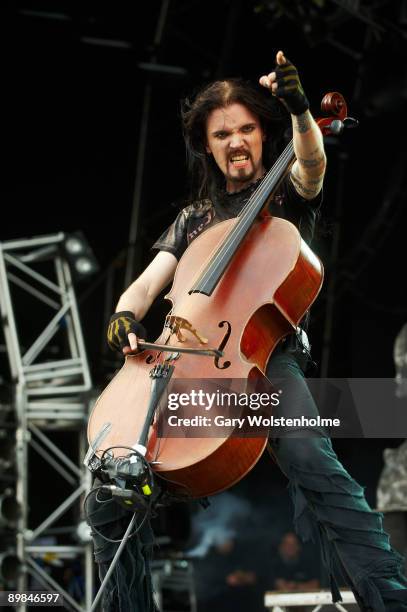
column 238, row 161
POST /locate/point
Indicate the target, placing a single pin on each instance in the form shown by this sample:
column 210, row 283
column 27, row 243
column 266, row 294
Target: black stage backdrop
column 73, row 83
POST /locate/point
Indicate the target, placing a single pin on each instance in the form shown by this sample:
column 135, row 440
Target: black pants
column 129, row 588
column 330, row 507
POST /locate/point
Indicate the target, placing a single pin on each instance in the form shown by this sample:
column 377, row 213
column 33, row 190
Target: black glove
column 120, row 325
column 289, row 88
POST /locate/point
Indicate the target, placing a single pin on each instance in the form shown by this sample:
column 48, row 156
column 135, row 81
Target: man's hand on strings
column 124, row 332
column 285, row 84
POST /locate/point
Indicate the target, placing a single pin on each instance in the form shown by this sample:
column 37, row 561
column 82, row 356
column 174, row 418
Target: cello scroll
column 334, row 104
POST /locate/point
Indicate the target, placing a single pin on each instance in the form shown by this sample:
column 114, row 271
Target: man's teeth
column 239, row 158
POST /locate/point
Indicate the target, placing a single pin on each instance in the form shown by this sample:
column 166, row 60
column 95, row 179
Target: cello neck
column 213, row 271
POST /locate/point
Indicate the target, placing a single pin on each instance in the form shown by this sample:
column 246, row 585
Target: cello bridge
column 177, row 324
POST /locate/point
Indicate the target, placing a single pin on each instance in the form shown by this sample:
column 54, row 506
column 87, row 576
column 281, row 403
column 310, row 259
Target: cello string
column 248, row 209
column 245, row 214
column 213, row 270
column 265, row 184
column 240, row 227
column 281, row 162
column 265, row 178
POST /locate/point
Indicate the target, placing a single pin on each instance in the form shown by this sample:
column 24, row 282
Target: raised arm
column 308, row 170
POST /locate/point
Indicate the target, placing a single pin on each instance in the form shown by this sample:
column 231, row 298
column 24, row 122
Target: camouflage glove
column 120, row 325
column 289, row 88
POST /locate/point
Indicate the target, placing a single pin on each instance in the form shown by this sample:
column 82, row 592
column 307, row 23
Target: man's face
column 235, row 139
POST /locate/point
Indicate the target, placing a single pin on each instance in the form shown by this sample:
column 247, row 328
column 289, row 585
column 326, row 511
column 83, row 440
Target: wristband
column 122, row 324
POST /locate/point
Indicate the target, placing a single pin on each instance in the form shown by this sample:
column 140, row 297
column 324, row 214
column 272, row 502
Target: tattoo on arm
column 316, row 181
column 307, row 192
column 301, row 123
column 312, row 163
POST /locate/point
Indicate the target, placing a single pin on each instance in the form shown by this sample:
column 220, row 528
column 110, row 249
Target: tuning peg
column 336, row 126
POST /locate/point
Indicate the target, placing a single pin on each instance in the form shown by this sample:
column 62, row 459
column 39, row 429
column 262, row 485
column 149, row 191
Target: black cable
column 88, row 520
column 130, row 448
column 106, row 487
column 151, row 473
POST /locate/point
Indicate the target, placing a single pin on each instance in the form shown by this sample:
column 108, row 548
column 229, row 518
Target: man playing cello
column 228, row 131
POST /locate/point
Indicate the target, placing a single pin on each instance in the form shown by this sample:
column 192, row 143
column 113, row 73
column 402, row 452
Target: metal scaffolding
column 52, row 383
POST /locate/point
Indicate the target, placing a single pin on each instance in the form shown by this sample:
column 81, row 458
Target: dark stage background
column 74, row 80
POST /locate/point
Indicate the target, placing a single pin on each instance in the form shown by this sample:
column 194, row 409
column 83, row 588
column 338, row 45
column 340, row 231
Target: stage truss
column 52, row 386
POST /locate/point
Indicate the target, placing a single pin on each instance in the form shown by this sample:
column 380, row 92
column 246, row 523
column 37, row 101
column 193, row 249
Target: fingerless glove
column 289, row 89
column 120, row 325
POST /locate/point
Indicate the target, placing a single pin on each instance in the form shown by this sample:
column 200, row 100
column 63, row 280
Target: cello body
column 269, row 285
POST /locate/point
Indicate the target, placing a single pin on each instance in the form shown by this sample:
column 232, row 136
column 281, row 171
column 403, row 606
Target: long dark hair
column 205, row 175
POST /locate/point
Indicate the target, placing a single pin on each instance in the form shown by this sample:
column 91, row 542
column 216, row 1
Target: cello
column 255, row 261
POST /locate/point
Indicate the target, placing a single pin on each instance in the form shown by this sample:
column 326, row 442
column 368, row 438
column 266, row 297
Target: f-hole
column 223, row 344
